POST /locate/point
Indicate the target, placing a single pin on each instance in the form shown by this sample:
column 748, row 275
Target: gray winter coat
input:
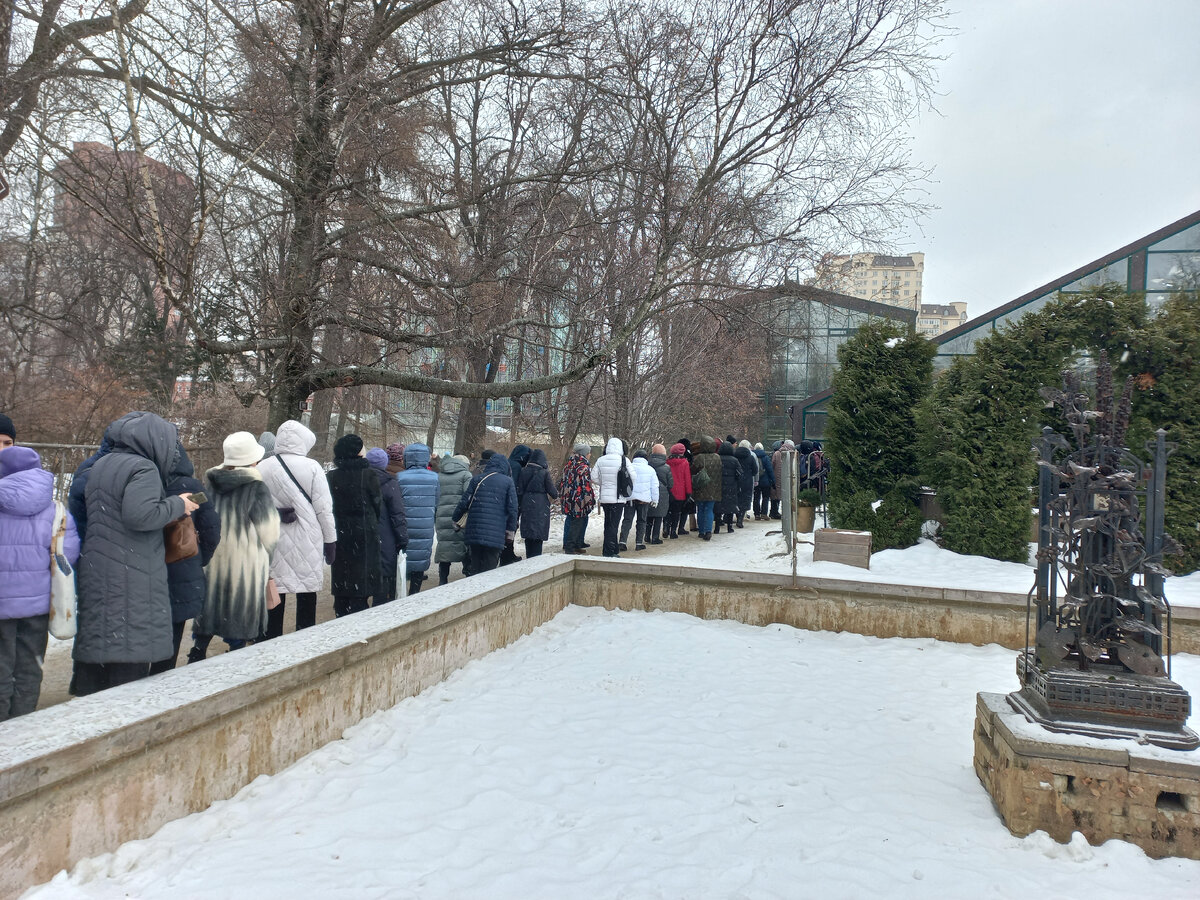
column 666, row 480
column 124, row 600
column 453, row 478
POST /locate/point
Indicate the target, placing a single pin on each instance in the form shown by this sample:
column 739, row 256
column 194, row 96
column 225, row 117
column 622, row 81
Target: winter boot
column 707, row 536
column 740, row 519
column 414, row 582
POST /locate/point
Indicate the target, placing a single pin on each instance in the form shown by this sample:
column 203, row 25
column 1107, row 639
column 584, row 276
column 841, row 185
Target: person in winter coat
column 453, row 478
column 776, row 467
column 766, row 481
column 645, row 496
column 185, row 577
column 238, row 592
column 745, row 488
column 124, row 602
column 393, row 525
column 8, row 432
column 690, row 505
column 681, row 490
column 307, row 535
column 395, row 454
column 516, row 462
column 76, row 504
column 420, row 488
column 356, row 505
column 578, row 497
column 706, row 484
column 657, row 514
column 267, row 441
column 731, row 477
column 490, row 505
column 612, row 500
column 27, row 527
column 535, row 489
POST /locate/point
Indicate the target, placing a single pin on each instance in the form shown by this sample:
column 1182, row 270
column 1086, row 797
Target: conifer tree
column 981, row 419
column 883, row 373
column 1164, row 359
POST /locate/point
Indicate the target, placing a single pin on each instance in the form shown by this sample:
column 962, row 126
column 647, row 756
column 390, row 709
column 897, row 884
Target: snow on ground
column 617, row 754
column 925, row 564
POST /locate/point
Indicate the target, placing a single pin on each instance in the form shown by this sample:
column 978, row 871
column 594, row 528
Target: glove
column 510, row 536
column 330, row 553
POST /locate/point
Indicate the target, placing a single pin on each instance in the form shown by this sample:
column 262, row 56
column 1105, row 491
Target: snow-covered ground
column 753, row 550
column 615, row 754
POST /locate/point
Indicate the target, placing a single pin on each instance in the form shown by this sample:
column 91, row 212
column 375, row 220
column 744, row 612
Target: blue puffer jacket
column 185, row 578
column 494, row 511
column 766, row 472
column 419, row 486
column 75, row 502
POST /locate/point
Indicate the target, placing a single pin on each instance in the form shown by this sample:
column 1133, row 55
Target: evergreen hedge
column 1164, row 359
column 980, row 421
column 883, row 373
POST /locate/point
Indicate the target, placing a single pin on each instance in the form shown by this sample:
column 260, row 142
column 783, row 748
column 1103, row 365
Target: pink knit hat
column 395, row 452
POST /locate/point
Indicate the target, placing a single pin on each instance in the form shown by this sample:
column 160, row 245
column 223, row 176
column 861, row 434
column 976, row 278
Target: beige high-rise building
column 895, row 280
column 935, row 319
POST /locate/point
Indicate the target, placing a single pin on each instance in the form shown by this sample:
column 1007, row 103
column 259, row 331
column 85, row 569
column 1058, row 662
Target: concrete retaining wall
column 81, row 778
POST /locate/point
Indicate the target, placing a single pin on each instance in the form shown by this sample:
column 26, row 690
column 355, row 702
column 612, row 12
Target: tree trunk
column 431, row 435
column 472, row 416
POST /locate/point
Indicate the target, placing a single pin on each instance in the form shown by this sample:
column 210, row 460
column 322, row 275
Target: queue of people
column 155, row 547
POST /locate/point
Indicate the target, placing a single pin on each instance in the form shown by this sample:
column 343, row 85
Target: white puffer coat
column 604, row 473
column 645, row 481
column 298, row 564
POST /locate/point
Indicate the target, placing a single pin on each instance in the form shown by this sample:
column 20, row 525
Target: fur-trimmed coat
column 235, row 603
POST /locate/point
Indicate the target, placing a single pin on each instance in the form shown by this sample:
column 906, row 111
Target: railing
column 63, row 460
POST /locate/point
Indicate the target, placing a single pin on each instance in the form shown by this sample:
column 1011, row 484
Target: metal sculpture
column 1098, row 666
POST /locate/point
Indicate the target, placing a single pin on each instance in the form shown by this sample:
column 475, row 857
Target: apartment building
column 894, row 280
column 935, row 318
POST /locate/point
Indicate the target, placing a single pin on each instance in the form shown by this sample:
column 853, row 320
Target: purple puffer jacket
column 26, row 517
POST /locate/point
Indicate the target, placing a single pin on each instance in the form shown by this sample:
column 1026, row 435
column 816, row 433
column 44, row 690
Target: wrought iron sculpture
column 1098, row 666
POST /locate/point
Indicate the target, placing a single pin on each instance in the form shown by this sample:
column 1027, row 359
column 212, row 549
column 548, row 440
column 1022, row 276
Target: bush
column 1164, row 359
column 981, row 419
column 808, row 497
column 883, row 373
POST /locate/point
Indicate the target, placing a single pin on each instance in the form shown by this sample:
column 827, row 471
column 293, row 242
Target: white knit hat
column 242, row 449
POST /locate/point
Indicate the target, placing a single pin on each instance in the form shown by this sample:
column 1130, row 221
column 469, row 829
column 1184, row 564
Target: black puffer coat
column 745, row 491
column 124, row 602
column 491, row 499
column 731, row 477
column 516, row 461
column 535, row 487
column 393, row 527
column 186, row 577
column 356, row 505
column 705, row 460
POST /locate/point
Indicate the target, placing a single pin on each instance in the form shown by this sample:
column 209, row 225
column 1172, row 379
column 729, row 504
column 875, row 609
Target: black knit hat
column 348, row 446
column 7, row 427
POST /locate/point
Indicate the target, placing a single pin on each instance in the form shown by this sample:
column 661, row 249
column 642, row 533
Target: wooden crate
column 853, row 548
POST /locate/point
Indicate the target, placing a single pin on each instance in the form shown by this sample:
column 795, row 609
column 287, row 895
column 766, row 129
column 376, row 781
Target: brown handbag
column 180, row 541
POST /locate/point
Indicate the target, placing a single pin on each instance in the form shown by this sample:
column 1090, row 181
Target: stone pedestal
column 1105, row 789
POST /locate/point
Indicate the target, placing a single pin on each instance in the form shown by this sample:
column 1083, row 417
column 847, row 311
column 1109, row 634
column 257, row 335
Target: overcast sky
column 1067, row 129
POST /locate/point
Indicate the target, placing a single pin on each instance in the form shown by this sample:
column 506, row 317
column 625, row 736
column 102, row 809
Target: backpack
column 624, row 481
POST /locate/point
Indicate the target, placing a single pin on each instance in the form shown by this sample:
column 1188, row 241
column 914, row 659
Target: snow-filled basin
column 617, row 754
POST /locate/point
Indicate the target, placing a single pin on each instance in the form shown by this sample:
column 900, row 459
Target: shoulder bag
column 62, row 580
column 287, row 514
column 180, row 541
